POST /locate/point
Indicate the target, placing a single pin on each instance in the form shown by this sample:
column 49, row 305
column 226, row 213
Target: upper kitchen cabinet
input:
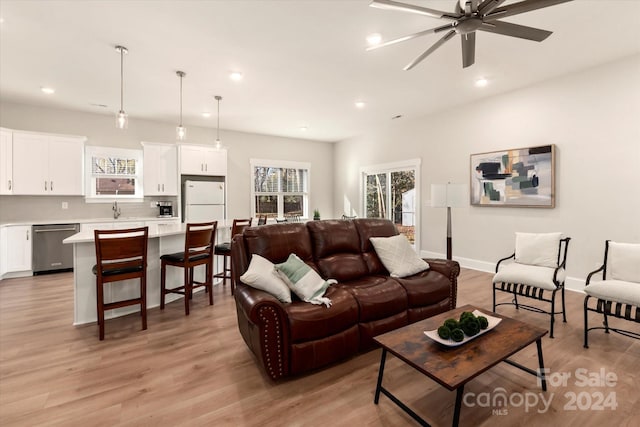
column 203, row 160
column 48, row 165
column 160, row 165
column 6, row 161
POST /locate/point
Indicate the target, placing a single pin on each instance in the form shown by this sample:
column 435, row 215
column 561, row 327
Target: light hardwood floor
column 197, row 371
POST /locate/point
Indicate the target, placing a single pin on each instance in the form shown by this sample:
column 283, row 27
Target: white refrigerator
column 204, row 201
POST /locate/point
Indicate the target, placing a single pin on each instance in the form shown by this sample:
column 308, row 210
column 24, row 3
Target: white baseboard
column 571, row 283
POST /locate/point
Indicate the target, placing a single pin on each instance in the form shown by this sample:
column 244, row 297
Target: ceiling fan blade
column 487, row 6
column 468, row 49
column 411, row 36
column 429, row 51
column 515, row 30
column 404, row 7
column 521, row 7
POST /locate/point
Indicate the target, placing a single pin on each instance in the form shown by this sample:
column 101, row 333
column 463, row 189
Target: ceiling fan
column 469, row 16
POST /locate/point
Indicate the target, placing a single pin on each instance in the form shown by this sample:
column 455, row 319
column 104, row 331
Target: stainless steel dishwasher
column 49, row 253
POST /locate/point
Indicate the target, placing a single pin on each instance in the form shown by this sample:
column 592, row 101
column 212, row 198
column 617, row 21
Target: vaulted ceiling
column 304, row 62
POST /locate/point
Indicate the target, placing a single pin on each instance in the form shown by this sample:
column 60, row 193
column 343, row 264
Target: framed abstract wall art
column 521, row 177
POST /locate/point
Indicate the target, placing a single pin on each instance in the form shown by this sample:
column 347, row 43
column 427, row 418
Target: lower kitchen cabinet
column 15, row 249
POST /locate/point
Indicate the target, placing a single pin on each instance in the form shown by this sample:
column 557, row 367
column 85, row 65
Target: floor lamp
column 448, row 196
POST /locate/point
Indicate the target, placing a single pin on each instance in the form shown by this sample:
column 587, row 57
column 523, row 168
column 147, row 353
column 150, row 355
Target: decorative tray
column 493, row 322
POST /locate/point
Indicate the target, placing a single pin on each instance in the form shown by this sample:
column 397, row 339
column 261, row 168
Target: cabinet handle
column 9, row 184
column 163, row 188
column 158, row 187
column 206, row 167
column 51, row 185
column 27, row 234
column 45, row 186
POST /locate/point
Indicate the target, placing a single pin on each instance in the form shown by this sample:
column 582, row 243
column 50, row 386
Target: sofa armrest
column 450, row 269
column 264, row 326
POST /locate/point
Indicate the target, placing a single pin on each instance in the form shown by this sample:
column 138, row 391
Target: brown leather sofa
column 292, row 338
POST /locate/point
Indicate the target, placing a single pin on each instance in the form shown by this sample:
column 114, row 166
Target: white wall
column 593, row 117
column 100, row 130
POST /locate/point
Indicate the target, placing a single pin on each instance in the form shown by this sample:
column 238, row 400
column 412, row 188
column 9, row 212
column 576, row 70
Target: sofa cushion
column 426, row 288
column 262, row 275
column 310, row 322
column 377, row 296
column 373, row 227
column 397, row 255
column 336, row 249
column 304, row 281
column 276, row 242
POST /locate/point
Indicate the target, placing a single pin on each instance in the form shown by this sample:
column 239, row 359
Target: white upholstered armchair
column 535, row 270
column 618, row 293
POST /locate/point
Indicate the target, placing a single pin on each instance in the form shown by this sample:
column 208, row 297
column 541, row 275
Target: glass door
column 390, row 191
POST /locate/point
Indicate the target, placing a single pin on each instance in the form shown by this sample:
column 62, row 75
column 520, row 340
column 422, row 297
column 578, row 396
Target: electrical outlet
column 65, row 205
column 152, row 204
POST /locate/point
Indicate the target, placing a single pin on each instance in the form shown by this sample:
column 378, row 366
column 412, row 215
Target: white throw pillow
column 539, row 249
column 304, row 281
column 624, row 262
column 262, row 275
column 397, row 256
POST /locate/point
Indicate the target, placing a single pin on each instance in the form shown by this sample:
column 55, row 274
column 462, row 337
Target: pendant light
column 181, row 131
column 218, row 143
column 122, row 120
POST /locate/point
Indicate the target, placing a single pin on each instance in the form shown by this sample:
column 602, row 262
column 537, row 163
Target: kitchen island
column 163, row 239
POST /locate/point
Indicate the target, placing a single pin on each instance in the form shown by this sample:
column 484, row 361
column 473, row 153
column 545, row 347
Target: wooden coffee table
column 453, row 367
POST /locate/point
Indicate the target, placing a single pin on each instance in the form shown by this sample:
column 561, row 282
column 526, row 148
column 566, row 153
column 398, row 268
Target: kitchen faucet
column 115, row 209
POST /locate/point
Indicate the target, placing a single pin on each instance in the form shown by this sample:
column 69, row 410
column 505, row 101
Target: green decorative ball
column 484, row 323
column 470, row 326
column 466, row 315
column 444, row 332
column 457, row 335
column 451, row 324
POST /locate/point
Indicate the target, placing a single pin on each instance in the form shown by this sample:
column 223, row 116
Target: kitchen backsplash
column 44, row 208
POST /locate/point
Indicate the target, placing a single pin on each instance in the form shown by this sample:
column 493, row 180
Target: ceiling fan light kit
column 469, row 16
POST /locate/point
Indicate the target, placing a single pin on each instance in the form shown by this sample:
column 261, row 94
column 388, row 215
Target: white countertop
column 90, row 220
column 155, row 232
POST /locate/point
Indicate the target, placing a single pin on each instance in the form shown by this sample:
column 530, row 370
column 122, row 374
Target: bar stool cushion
column 118, row 270
column 179, row 257
column 223, row 247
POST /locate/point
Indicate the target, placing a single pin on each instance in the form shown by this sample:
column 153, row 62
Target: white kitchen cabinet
column 46, row 164
column 6, row 161
column 16, row 248
column 160, row 165
column 203, row 160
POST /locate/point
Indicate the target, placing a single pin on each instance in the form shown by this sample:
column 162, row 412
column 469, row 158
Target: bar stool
column 224, row 250
column 198, row 250
column 120, row 255
column 262, row 220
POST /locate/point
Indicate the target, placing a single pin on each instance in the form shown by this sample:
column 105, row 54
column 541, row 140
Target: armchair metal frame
column 534, row 292
column 607, row 308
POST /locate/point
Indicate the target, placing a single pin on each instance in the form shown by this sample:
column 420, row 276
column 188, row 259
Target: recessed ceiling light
column 360, row 104
column 374, row 39
column 303, row 128
column 48, row 90
column 236, row 76
column 481, row 82
column 206, row 114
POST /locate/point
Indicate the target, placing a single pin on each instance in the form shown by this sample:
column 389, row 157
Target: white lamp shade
column 448, row 195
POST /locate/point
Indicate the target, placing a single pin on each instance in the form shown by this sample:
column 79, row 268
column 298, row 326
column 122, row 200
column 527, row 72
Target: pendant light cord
column 121, row 78
column 180, row 100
